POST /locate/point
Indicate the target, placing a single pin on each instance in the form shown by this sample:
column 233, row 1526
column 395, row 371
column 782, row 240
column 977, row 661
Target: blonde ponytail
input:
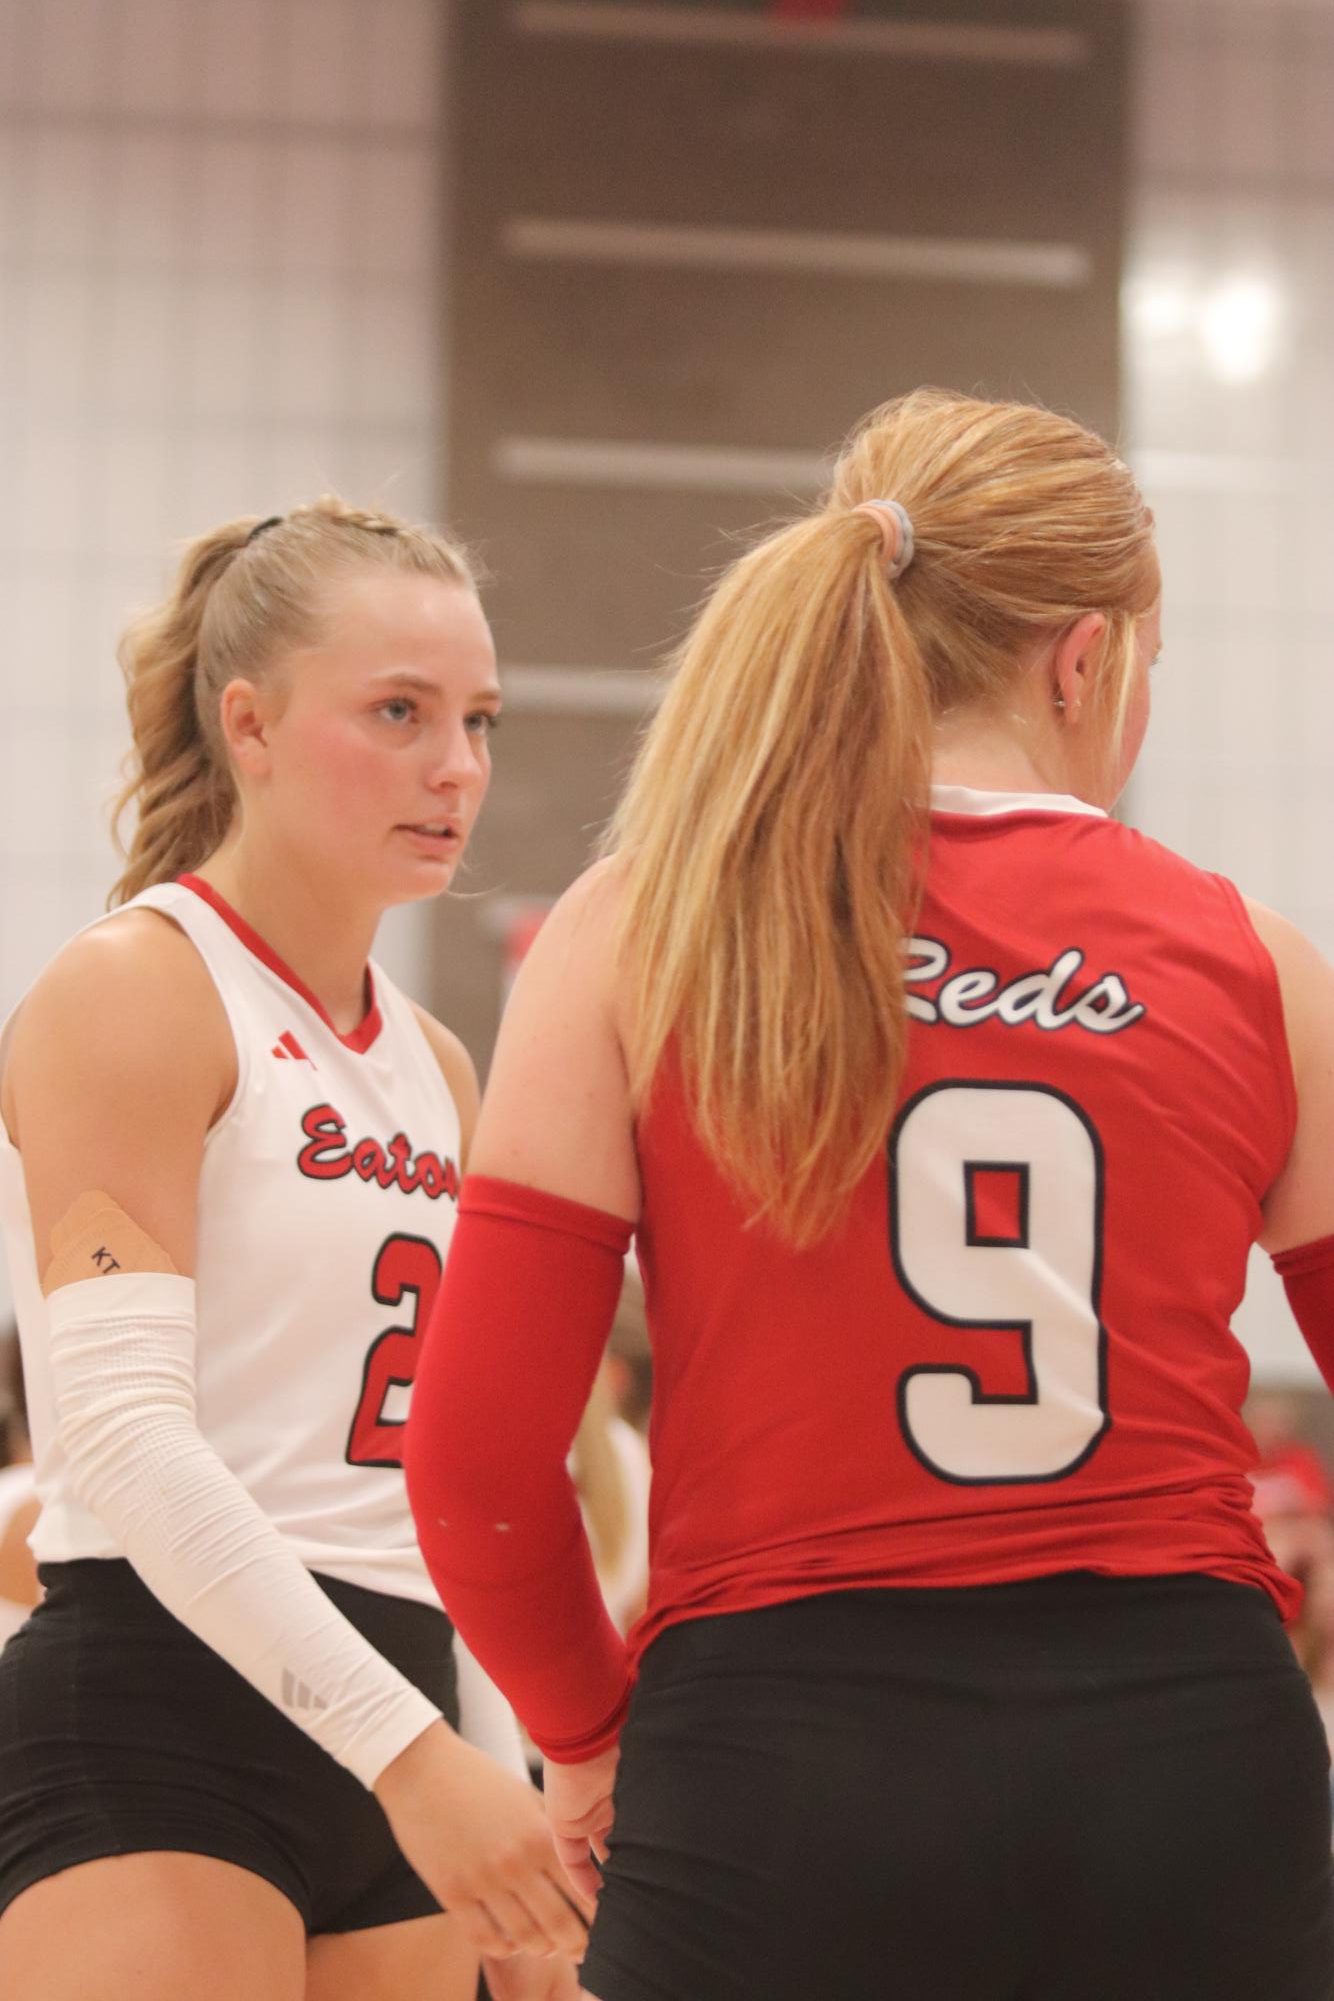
column 245, row 593
column 182, row 796
column 773, row 833
column 766, row 907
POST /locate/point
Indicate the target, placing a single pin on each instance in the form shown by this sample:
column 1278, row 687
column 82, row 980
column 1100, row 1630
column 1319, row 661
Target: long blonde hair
column 245, row 593
column 772, row 835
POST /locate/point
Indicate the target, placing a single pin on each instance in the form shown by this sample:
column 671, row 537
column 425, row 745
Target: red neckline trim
column 361, row 1037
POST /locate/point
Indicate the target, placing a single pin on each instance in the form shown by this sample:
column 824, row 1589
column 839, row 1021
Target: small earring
column 1060, row 702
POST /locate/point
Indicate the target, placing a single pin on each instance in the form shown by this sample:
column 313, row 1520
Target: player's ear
column 243, row 717
column 1075, row 661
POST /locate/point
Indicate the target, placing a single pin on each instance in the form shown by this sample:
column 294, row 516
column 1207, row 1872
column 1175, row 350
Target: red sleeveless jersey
column 1015, row 1356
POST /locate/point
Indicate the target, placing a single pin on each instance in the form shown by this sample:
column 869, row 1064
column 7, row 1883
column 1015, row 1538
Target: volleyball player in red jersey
column 945, row 1110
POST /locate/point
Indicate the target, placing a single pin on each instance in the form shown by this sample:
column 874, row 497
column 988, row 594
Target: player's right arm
column 119, row 1062
column 1298, row 1229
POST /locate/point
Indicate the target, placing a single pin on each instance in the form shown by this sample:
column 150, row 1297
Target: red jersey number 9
column 404, row 1266
column 996, row 1199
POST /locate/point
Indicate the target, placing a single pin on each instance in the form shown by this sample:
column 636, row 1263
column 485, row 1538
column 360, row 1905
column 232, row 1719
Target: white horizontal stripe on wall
column 584, row 691
column 685, row 468
column 962, row 260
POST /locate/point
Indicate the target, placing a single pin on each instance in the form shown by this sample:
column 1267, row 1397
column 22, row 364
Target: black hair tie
column 273, row 521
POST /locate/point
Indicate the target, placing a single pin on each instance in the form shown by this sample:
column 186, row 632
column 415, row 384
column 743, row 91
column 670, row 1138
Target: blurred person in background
column 19, row 1506
column 228, row 1172
column 1290, row 1475
column 1292, row 1499
column 629, row 1356
column 610, row 1468
column 1313, row 1633
column 1291, row 1481
column 945, row 1110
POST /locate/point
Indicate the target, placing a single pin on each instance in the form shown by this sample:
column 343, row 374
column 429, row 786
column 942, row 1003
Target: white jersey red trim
column 327, row 1200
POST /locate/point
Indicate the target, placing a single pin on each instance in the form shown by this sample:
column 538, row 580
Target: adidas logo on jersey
column 287, row 1046
column 327, row 1156
column 297, row 1696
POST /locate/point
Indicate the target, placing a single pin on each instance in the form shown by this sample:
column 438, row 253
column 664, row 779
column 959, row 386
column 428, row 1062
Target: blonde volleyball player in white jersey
column 228, row 1169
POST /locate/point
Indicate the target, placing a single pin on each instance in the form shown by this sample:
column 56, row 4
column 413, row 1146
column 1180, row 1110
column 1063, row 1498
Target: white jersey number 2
column 996, row 1195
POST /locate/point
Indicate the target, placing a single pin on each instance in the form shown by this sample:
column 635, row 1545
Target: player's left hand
column 578, row 1800
column 526, row 1978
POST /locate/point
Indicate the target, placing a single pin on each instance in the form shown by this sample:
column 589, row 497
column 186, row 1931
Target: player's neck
column 993, row 754
column 309, row 924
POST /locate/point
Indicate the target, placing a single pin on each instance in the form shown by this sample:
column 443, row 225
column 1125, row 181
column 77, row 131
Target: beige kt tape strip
column 94, row 1238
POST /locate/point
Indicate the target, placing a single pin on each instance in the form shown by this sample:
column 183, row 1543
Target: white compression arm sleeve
column 486, row 1720
column 123, row 1367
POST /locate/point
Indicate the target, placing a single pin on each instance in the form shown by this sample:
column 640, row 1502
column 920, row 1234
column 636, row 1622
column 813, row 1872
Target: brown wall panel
column 607, row 352
column 825, row 142
column 819, row 140
column 607, row 575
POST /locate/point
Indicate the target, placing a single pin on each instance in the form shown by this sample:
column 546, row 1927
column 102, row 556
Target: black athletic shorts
column 121, row 1732
column 1074, row 1789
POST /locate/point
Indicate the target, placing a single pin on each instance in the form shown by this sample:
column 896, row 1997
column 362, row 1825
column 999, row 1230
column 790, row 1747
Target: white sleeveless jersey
column 326, row 1202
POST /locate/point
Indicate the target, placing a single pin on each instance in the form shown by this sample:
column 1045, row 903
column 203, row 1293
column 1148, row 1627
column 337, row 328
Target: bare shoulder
column 122, row 1058
column 593, row 900
column 1306, row 981
column 557, row 1113
column 138, row 952
column 1281, row 938
column 446, row 1047
column 457, row 1067
column 1300, row 1206
column 125, row 1017
column 133, row 985
column 575, row 951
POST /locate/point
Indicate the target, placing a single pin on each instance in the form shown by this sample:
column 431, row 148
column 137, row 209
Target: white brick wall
column 219, row 272
column 1230, row 421
column 219, row 229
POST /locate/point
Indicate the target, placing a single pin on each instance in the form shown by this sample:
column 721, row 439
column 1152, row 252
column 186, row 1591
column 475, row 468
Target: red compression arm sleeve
column 1308, row 1279
column 511, row 1351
